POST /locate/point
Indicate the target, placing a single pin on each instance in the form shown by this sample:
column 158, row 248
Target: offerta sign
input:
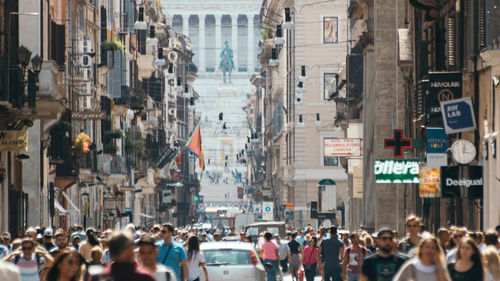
column 396, row 171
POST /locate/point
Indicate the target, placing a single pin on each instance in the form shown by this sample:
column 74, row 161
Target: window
column 81, row 19
column 329, row 158
column 256, row 30
column 210, row 52
column 329, row 84
column 226, row 26
column 194, row 24
column 177, row 23
column 330, row 30
column 242, row 51
column 331, row 161
column 217, row 257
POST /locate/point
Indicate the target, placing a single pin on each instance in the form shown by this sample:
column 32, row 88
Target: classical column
column 201, row 43
column 251, row 44
column 185, row 24
column 218, row 48
column 234, row 39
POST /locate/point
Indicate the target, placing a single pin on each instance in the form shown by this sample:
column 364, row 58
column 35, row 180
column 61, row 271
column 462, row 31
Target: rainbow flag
column 195, row 146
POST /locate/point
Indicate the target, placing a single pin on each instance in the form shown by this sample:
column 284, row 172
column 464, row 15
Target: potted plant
column 81, row 144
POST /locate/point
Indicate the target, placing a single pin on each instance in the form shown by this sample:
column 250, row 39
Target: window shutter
column 451, row 42
column 131, row 16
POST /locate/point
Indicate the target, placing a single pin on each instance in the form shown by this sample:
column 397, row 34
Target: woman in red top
column 310, row 260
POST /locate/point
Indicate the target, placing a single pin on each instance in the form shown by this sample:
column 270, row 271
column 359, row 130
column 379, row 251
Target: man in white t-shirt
column 147, row 258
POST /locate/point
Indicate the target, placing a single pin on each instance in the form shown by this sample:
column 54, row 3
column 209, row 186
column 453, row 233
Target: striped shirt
column 29, row 268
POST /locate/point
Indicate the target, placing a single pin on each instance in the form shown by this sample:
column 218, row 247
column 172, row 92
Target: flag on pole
column 195, row 146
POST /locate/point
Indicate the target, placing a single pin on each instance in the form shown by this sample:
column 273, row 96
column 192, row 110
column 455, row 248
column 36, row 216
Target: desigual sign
column 396, row 170
column 462, row 181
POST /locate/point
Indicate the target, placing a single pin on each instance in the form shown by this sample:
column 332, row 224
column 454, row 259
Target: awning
column 60, row 208
column 424, row 4
column 64, row 182
column 146, row 216
column 70, row 202
column 327, row 182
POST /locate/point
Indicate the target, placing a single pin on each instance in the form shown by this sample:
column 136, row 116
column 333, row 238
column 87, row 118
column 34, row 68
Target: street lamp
column 23, row 56
column 36, row 62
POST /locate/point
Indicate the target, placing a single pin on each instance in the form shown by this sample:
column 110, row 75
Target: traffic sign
column 267, row 211
column 458, row 115
column 290, row 205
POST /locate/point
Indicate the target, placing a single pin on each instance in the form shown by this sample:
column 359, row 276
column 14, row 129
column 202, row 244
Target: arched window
column 177, row 23
column 210, row 52
column 194, row 24
column 256, row 30
column 242, row 51
column 226, row 30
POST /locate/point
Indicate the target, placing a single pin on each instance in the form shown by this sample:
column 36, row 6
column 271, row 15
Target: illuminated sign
column 396, row 170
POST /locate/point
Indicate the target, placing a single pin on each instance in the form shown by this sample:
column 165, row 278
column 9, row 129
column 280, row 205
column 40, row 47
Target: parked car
column 275, row 227
column 228, row 260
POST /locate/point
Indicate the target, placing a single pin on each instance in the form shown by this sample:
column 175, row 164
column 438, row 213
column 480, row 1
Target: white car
column 232, row 261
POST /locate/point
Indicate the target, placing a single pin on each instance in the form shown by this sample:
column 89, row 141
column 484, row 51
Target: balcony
column 49, row 101
column 267, row 47
column 119, row 165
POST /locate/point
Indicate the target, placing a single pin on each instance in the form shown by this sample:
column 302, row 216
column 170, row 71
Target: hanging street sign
column 443, row 86
column 14, row 140
column 458, row 115
column 462, row 181
column 436, row 140
column 398, row 143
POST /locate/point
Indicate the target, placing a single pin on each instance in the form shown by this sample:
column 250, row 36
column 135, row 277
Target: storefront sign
column 357, row 182
column 436, row 140
column 342, row 147
column 398, row 143
column 462, row 181
column 88, row 115
column 14, row 140
column 458, row 115
column 443, row 86
column 436, row 160
column 396, row 171
column 430, row 182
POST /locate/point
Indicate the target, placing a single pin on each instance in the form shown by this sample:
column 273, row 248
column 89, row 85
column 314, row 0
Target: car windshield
column 227, row 257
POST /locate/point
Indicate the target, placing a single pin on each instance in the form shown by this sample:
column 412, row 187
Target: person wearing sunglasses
column 413, row 229
column 171, row 254
column 29, row 260
column 456, row 237
column 384, row 264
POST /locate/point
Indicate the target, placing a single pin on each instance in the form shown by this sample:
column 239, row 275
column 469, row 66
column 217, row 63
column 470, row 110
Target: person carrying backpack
column 30, row 262
column 353, row 259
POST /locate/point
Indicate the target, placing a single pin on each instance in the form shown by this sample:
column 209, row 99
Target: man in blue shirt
column 329, row 253
column 172, row 254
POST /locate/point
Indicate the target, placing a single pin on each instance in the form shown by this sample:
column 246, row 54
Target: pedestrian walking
column 295, row 256
column 61, row 242
column 9, row 272
column 123, row 267
column 269, row 252
column 31, row 262
column 172, row 254
column 66, row 267
column 147, row 255
column 384, row 264
column 491, row 263
column 353, row 259
column 86, row 246
column 329, row 253
column 427, row 265
column 284, row 255
column 444, row 239
column 310, row 260
column 457, row 236
column 468, row 264
column 413, row 229
column 196, row 260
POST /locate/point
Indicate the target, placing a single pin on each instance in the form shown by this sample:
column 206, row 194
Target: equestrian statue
column 226, row 62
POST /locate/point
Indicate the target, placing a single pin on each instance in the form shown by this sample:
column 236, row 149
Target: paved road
column 288, row 277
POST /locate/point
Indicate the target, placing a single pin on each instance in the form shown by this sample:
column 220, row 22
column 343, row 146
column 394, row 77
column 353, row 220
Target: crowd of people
column 166, row 253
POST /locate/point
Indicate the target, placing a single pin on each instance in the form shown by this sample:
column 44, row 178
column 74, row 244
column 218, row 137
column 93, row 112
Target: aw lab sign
column 458, row 115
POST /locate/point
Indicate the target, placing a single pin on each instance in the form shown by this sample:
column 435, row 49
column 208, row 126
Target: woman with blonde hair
column 491, row 264
column 427, row 265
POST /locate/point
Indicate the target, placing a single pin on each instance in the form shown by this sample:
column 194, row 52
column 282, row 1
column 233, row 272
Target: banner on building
column 357, row 182
column 436, row 140
column 14, row 140
column 396, row 170
column 462, row 181
column 430, row 182
column 267, row 211
column 443, row 86
column 342, row 147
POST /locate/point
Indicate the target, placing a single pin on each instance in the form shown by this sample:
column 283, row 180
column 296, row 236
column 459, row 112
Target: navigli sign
column 396, row 170
column 462, row 182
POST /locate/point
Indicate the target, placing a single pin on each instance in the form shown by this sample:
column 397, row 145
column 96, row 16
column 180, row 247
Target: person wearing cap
column 203, row 237
column 85, row 247
column 61, row 240
column 384, row 264
column 329, row 252
column 5, row 240
column 123, row 267
column 147, row 258
column 172, row 254
column 47, row 239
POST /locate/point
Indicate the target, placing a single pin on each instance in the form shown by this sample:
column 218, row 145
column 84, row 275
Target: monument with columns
column 210, row 24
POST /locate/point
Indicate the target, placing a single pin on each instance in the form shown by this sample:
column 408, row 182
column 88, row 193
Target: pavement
column 288, row 277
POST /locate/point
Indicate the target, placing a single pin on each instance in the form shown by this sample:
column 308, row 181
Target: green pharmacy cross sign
column 396, row 170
